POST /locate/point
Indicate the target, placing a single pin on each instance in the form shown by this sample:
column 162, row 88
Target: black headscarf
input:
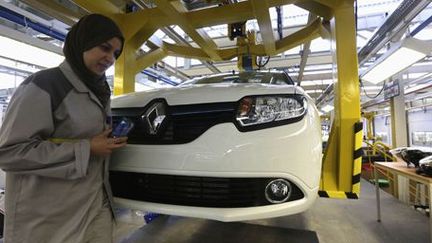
column 90, row 31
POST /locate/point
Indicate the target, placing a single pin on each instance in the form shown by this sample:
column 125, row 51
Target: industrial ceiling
column 379, row 22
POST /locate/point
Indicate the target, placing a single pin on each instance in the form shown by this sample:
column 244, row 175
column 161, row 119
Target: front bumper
column 226, row 214
column 197, row 191
column 292, row 152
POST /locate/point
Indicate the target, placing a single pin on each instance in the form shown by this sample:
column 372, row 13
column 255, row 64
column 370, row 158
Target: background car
column 229, row 147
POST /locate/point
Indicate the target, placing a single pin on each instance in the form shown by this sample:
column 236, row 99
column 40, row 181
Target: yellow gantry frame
column 139, row 26
column 340, row 173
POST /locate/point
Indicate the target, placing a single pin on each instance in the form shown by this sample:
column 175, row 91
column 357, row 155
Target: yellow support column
column 124, row 78
column 127, row 65
column 370, row 116
column 338, row 179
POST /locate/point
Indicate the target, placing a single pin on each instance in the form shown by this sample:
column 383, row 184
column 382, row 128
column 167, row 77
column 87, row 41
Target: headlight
column 426, row 161
column 255, row 112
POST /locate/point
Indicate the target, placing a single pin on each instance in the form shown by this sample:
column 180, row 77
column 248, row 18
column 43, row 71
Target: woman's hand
column 102, row 144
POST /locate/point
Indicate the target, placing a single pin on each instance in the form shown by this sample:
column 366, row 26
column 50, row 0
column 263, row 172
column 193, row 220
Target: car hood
column 204, row 93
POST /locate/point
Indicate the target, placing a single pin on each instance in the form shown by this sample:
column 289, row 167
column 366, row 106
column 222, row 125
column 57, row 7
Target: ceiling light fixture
column 23, row 52
column 398, row 58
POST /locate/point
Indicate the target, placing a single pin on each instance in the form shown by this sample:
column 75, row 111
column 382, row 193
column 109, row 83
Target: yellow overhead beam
column 132, row 23
column 154, row 42
column 310, row 32
column 99, row 6
column 256, row 50
column 276, row 3
column 331, row 3
column 225, row 54
column 230, row 53
column 149, row 59
column 261, row 11
column 317, row 8
column 206, row 42
column 325, row 31
column 225, row 14
column 185, row 51
column 142, row 35
column 137, row 27
column 242, row 11
column 199, row 36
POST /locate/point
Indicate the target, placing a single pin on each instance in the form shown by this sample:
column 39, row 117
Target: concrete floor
column 328, row 221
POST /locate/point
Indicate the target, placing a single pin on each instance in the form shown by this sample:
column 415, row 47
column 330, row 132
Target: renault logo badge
column 155, row 117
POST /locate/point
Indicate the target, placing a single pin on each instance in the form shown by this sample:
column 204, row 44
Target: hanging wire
column 259, row 62
column 371, row 97
column 26, row 27
column 355, row 14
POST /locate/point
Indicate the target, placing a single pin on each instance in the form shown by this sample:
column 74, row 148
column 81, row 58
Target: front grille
column 193, row 191
column 184, row 123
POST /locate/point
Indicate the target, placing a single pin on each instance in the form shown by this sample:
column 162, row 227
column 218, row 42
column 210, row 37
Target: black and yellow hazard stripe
column 357, row 157
column 338, row 194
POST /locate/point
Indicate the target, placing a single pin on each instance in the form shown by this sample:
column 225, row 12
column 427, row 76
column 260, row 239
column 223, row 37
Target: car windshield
column 245, row 77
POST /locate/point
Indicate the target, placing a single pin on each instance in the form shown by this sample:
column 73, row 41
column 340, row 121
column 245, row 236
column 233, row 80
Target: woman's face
column 101, row 57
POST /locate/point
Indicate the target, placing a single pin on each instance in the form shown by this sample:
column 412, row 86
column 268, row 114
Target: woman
column 55, row 144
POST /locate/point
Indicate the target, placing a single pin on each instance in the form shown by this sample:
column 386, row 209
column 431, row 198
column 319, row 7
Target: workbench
column 401, row 169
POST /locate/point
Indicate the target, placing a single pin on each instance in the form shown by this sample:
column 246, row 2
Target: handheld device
column 123, row 128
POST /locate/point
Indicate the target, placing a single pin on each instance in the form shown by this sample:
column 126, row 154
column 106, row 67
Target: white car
column 229, row 147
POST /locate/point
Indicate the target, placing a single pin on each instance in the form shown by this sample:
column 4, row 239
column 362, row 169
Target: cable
column 371, row 97
column 355, row 14
column 260, row 64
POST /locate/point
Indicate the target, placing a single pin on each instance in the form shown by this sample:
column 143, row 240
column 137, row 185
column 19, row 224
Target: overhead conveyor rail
column 24, row 21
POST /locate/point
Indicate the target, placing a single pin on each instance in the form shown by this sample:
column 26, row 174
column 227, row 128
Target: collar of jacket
column 76, row 82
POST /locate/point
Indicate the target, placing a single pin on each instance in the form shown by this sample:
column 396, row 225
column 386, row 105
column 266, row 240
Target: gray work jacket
column 53, row 190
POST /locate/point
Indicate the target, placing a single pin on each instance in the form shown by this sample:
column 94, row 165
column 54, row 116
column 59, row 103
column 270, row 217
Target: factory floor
column 328, row 221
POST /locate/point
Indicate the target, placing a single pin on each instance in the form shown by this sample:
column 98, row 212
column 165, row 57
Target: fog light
column 278, row 191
